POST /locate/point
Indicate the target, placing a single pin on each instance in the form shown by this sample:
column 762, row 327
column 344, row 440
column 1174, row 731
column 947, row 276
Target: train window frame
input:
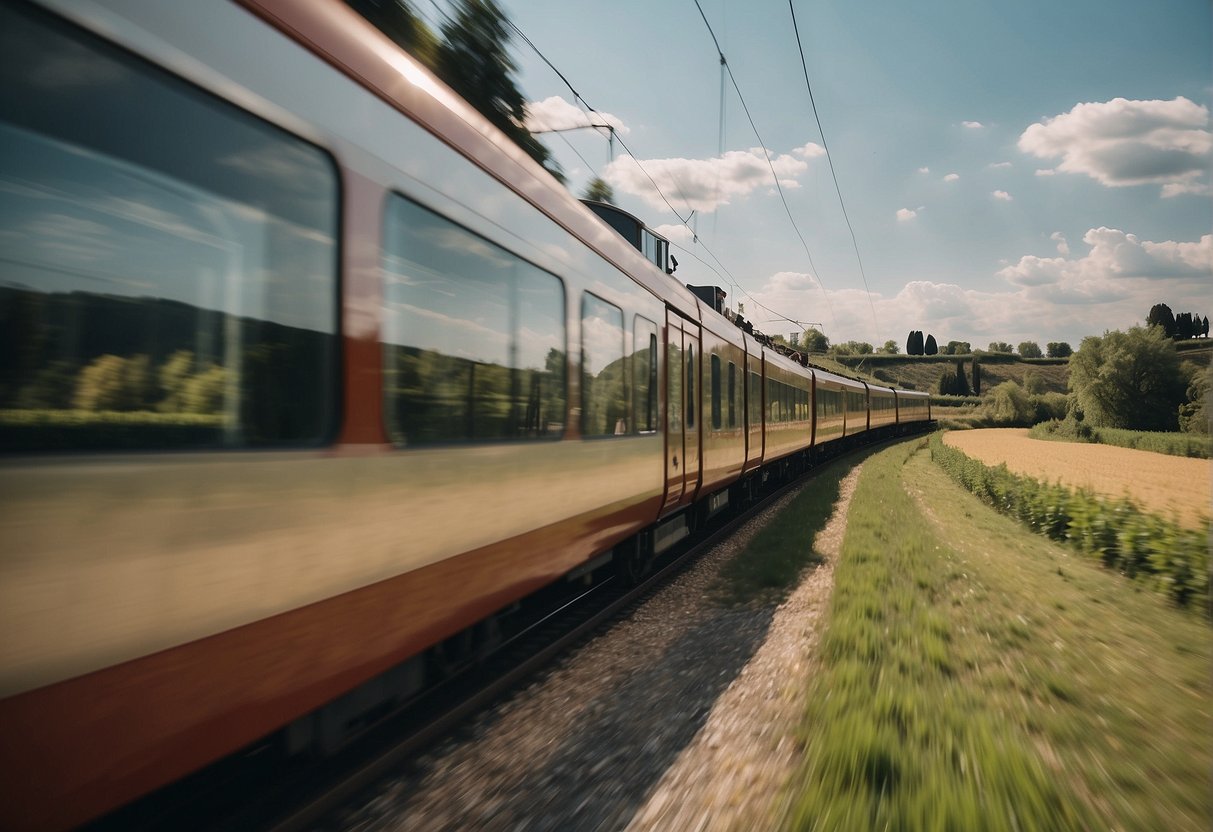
column 646, row 410
column 732, row 395
column 690, row 385
column 145, row 163
column 717, row 385
column 609, row 431
column 397, row 433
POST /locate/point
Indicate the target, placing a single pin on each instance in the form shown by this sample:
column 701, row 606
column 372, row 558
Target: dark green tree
column 1029, row 349
column 1161, row 315
column 962, row 381
column 976, row 376
column 930, row 347
column 599, row 191
column 814, row 340
column 1129, row 379
column 1059, row 349
column 1000, row 346
column 889, row 348
column 474, row 60
column 398, row 20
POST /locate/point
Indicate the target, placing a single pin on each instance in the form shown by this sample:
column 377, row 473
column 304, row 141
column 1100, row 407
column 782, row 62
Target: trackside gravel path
column 1165, row 485
column 681, row 716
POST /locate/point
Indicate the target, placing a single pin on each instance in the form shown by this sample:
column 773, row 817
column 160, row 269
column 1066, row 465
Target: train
column 309, row 378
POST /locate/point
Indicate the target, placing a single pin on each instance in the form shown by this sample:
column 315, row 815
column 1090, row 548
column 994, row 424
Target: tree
column 1128, row 379
column 599, row 191
column 957, row 348
column 976, row 376
column 1160, row 315
column 474, row 60
column 114, row 383
column 397, row 20
column 889, row 348
column 814, row 340
column 1058, row 349
column 1204, row 329
column 1000, row 346
column 1029, row 349
column 1194, row 415
column 930, row 348
column 911, row 344
column 852, row 348
column 1010, row 404
column 1033, row 382
column 962, row 381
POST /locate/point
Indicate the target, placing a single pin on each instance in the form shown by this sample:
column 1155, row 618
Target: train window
column 603, row 412
column 732, row 395
column 674, row 383
column 716, row 393
column 755, row 400
column 169, row 273
column 474, row 337
column 690, row 386
column 645, row 371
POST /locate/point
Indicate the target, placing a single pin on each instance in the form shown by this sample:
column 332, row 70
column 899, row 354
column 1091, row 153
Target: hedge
column 1140, row 545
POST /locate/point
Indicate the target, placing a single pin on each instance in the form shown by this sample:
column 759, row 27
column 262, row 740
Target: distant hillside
column 923, row 371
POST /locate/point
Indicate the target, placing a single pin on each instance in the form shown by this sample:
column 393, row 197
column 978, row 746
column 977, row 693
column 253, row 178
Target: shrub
column 1158, row 552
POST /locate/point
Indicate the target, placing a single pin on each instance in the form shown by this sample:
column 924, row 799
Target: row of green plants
column 24, row 430
column 1140, row 545
column 1198, row 446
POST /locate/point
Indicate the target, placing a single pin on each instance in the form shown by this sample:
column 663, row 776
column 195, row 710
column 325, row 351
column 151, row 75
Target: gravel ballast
column 681, row 716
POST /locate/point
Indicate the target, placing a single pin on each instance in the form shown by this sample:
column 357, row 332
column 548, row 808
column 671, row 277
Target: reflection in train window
column 603, row 412
column 755, row 400
column 645, row 374
column 690, row 386
column 733, row 395
column 716, row 393
column 169, row 269
column 475, row 337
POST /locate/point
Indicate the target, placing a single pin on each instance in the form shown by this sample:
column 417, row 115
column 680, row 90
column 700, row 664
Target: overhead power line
column 778, row 187
column 829, row 158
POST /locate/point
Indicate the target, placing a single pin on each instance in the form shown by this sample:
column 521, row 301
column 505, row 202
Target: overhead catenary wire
column 766, row 154
column 829, row 158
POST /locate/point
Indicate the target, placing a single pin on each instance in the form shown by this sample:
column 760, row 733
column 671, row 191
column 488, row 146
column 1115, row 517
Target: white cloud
column 924, row 170
column 555, row 113
column 675, row 233
column 1001, row 165
column 951, row 177
column 1121, row 142
column 1045, row 172
column 706, row 184
column 1044, row 299
column 973, row 125
column 1003, row 195
column 906, row 214
column 1063, row 247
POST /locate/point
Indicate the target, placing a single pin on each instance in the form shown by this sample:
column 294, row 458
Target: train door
column 683, row 399
column 675, row 407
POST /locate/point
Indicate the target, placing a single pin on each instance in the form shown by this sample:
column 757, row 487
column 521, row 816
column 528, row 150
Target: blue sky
column 1013, row 171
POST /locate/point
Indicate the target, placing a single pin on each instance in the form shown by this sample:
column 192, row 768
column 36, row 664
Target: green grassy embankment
column 770, row 565
column 974, row 676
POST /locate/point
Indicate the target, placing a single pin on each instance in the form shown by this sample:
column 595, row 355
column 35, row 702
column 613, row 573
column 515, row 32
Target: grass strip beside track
column 976, row 677
column 768, row 568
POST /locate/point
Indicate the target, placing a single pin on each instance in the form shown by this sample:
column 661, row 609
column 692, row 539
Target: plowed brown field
column 1168, row 485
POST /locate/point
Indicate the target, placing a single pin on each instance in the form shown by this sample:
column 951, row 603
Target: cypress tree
column 976, row 377
column 962, row 381
column 931, row 348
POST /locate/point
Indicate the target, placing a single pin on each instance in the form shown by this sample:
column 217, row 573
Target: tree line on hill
column 1179, row 327
column 916, row 344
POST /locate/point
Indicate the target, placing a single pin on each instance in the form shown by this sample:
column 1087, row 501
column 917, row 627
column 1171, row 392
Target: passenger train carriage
column 307, row 373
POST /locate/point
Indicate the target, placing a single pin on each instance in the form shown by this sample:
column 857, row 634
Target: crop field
column 1166, row 485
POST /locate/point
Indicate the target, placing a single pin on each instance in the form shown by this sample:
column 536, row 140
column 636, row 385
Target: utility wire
column 804, row 65
column 783, row 198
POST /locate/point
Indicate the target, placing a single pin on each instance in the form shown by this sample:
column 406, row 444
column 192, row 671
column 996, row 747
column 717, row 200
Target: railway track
column 260, row 790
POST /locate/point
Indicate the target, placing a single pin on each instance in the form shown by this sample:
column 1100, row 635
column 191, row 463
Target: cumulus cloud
column 1063, row 247
column 906, row 214
column 924, row 170
column 951, row 177
column 1045, row 172
column 706, row 184
column 1061, row 298
column 1003, row 195
column 1122, row 142
column 973, row 125
column 1001, row 165
column 675, row 233
column 554, row 113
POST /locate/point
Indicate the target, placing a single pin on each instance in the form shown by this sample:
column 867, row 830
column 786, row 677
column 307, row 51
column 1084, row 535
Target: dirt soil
column 1171, row 486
